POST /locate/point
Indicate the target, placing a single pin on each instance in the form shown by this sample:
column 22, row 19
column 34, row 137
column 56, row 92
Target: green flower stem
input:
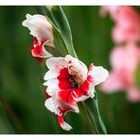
column 90, row 106
column 92, row 110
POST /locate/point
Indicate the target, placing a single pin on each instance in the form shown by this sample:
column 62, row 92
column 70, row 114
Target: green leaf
column 58, row 40
column 59, row 43
column 58, row 17
column 91, row 105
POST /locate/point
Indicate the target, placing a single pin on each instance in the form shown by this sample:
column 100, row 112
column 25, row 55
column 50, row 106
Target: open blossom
column 124, row 61
column 131, row 34
column 112, row 10
column 68, row 82
column 127, row 21
column 121, row 14
column 41, row 29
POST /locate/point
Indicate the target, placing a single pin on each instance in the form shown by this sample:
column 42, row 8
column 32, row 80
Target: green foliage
column 63, row 25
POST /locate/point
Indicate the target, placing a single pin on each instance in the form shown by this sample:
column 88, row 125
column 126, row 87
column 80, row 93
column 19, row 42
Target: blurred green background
column 22, row 107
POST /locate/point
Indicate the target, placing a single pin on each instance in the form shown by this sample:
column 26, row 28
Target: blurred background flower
column 125, row 58
column 21, row 94
column 124, row 61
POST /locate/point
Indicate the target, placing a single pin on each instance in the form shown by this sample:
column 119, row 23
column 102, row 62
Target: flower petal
column 61, row 121
column 51, row 74
column 98, row 73
column 122, row 57
column 76, row 67
column 56, row 63
column 63, row 124
column 50, row 105
column 38, row 50
column 52, row 87
column 66, row 96
column 133, row 94
column 39, row 27
column 113, row 83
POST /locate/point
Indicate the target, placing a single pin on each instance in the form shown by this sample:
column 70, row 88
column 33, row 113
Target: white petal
column 53, row 87
column 99, row 74
column 51, row 74
column 51, row 82
column 76, row 109
column 76, row 67
column 50, row 105
column 82, row 98
column 39, row 27
column 66, row 126
column 56, row 63
column 91, row 92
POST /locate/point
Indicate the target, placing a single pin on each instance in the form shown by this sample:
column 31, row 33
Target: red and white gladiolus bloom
column 41, row 29
column 68, row 82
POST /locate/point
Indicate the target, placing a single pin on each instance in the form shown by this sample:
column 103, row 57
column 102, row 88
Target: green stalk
column 90, row 106
column 92, row 110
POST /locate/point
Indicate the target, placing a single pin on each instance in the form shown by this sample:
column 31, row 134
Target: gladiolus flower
column 112, row 10
column 129, row 33
column 121, row 14
column 127, row 21
column 68, row 82
column 124, row 61
column 41, row 29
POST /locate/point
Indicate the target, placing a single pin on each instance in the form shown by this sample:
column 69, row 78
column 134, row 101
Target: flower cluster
column 68, row 80
column 127, row 22
column 125, row 57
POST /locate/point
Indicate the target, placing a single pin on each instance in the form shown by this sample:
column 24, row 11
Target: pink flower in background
column 124, row 61
column 133, row 93
column 127, row 28
column 41, row 29
column 126, row 34
column 68, row 82
column 121, row 14
column 112, row 10
column 126, row 57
